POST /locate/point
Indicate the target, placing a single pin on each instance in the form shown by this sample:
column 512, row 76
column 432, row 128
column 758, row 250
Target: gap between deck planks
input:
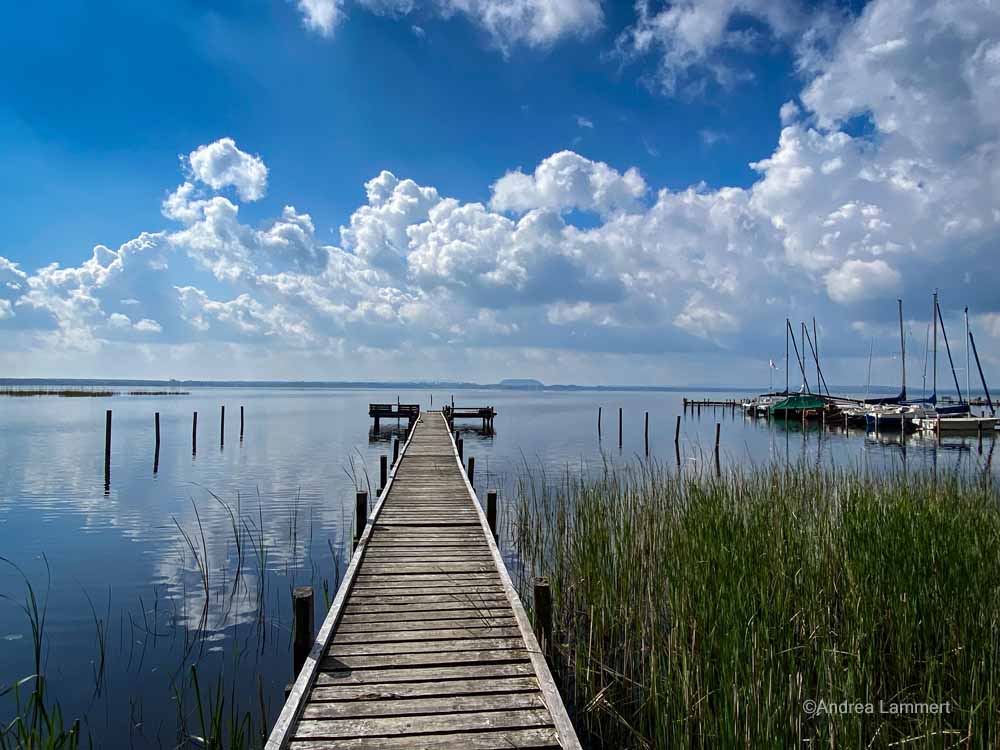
column 426, row 644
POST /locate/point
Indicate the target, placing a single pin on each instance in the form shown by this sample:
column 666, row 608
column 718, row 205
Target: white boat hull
column 958, row 424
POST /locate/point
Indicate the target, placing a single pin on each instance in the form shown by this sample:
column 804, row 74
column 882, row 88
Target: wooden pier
column 484, row 413
column 426, row 644
column 397, row 411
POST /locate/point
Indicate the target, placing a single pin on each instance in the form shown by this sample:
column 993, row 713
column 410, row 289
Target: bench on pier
column 409, row 412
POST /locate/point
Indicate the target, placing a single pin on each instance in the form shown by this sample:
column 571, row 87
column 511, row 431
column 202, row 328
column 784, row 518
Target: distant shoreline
column 405, row 385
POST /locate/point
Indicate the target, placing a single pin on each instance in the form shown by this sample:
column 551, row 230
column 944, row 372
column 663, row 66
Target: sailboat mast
column 788, row 326
column 902, row 345
column 968, row 374
column 934, row 368
column 947, row 348
column 815, row 341
column 927, row 337
column 868, row 385
column 982, row 377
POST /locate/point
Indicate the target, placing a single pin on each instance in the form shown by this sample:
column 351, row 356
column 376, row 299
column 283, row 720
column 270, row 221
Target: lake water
column 125, row 572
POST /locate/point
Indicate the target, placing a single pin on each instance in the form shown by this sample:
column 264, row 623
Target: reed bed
column 692, row 610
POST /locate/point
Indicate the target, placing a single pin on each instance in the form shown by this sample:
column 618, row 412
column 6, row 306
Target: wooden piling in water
column 646, row 432
column 360, row 515
column 619, row 427
column 979, row 429
column 107, row 450
column 194, row 434
column 302, row 606
column 383, row 471
column 241, row 423
column 491, row 511
column 156, row 450
column 543, row 613
column 395, row 450
column 472, row 470
column 222, row 427
column 461, row 449
column 677, row 430
column 598, row 422
column 718, row 427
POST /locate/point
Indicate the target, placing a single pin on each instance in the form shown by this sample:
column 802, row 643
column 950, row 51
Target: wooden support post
column 677, row 430
column 395, row 448
column 194, row 434
column 156, row 450
column 222, row 427
column 107, row 451
column 543, row 613
column 491, row 511
column 360, row 515
column 461, row 451
column 718, row 427
column 472, row 470
column 383, row 471
column 619, row 427
column 646, row 432
column 376, row 425
column 241, row 424
column 979, row 429
column 599, row 422
column 302, row 606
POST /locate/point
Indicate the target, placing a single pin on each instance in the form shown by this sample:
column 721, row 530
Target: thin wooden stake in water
column 302, row 606
column 598, row 422
column 979, row 427
column 472, row 470
column 107, row 451
column 619, row 427
column 646, row 434
column 461, row 452
column 395, row 450
column 360, row 515
column 677, row 430
column 717, row 428
column 383, row 471
column 222, row 428
column 491, row 511
column 241, row 424
column 156, row 450
column 543, row 613
column 194, row 434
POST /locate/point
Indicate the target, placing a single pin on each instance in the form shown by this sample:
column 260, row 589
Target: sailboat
column 951, row 420
column 896, row 413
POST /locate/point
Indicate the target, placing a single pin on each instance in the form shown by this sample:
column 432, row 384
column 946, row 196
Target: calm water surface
column 127, row 572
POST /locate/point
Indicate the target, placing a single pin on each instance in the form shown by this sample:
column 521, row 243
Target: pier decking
column 426, row 644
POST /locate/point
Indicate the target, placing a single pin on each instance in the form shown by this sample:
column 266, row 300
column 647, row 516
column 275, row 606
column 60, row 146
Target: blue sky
column 563, row 121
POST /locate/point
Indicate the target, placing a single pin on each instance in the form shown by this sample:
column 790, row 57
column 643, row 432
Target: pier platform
column 426, row 644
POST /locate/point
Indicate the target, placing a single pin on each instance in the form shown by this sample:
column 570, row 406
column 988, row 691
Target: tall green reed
column 706, row 611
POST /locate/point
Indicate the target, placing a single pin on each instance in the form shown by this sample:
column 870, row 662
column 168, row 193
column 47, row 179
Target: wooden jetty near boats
column 426, row 644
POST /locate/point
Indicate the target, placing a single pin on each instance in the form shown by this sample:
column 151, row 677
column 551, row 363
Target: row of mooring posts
column 677, row 434
column 156, row 435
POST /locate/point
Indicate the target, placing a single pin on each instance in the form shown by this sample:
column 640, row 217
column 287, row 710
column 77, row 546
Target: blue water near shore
column 240, row 523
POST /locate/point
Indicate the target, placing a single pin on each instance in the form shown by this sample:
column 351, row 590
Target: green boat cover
column 798, row 402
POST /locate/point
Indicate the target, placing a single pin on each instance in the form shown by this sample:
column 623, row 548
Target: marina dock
column 426, row 644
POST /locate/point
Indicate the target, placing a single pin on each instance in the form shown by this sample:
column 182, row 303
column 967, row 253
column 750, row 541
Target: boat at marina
column 963, row 424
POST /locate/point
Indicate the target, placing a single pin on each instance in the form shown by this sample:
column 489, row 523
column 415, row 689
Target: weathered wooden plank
column 394, row 727
column 397, row 706
column 441, row 634
column 505, row 739
column 393, row 626
column 384, row 648
column 427, row 659
column 493, row 670
column 430, row 689
column 394, row 614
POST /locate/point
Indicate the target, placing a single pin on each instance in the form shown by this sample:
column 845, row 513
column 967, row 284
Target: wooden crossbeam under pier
column 426, row 644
